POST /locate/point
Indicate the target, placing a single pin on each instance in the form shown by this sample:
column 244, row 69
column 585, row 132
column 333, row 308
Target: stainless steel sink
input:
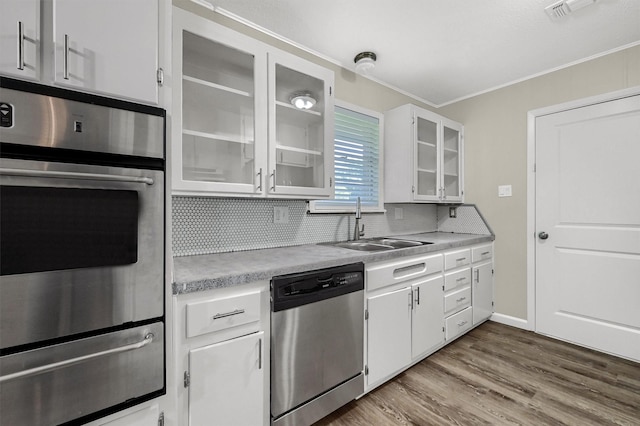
column 377, row 244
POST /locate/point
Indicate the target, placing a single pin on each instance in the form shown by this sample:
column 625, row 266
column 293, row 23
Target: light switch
column 504, row 191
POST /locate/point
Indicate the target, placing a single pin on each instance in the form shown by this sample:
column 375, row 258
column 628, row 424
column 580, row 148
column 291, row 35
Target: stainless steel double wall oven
column 81, row 254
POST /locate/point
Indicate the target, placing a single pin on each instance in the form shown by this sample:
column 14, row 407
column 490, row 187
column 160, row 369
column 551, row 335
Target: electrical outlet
column 453, row 212
column 504, row 191
column 398, row 213
column 281, row 214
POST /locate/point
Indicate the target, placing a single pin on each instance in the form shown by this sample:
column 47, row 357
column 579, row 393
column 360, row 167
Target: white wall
column 496, row 154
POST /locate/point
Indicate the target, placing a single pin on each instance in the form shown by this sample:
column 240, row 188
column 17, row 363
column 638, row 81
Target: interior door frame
column 531, row 183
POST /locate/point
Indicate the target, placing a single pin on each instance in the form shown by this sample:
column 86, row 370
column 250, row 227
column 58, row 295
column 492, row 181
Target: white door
column 588, row 226
column 482, row 279
column 20, row 38
column 108, row 46
column 388, row 334
column 227, row 382
column 427, row 327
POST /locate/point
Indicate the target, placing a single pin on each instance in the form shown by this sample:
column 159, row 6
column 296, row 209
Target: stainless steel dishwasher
column 317, row 321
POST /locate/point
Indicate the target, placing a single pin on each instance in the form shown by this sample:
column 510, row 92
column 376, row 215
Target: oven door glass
column 48, row 229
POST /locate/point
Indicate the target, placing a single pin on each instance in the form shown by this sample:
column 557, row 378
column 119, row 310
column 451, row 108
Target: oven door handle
column 68, row 362
column 74, row 175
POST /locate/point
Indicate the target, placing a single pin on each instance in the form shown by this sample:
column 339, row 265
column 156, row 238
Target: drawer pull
column 460, row 324
column 461, row 299
column 461, row 279
column 484, row 253
column 405, row 271
column 228, row 314
column 460, row 259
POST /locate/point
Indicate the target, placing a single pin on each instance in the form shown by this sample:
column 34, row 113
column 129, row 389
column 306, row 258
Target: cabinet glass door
column 451, row 162
column 301, row 127
column 218, row 113
column 427, row 180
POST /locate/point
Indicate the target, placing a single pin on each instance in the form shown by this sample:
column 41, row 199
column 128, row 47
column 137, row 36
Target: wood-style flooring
column 498, row 374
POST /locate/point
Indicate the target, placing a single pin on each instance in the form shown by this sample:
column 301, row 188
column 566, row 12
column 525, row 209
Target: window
column 358, row 167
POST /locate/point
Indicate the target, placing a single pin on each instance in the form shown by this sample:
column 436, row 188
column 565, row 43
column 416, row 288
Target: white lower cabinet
column 389, row 333
column 227, row 381
column 426, row 325
column 482, row 291
column 404, row 314
column 458, row 323
column 416, row 305
column 222, row 356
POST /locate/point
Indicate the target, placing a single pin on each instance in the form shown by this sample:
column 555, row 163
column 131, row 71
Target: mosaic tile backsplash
column 215, row 225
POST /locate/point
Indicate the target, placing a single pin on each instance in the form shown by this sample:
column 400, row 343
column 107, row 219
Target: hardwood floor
column 498, row 374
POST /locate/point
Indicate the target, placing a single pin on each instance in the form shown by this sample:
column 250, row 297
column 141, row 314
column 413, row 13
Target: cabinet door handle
column 411, row 301
column 65, row 60
column 259, row 354
column 259, row 188
column 273, row 188
column 417, row 295
column 228, row 314
column 20, row 45
column 477, row 276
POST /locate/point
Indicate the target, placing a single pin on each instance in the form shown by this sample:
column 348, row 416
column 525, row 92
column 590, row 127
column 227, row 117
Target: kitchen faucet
column 358, row 232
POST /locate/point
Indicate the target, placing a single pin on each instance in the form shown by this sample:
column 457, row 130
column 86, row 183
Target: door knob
column 543, row 235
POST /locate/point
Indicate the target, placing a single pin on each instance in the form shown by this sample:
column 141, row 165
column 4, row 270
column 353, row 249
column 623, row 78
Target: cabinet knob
column 543, row 235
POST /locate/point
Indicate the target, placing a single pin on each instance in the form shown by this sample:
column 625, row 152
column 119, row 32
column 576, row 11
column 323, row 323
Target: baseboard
column 512, row 321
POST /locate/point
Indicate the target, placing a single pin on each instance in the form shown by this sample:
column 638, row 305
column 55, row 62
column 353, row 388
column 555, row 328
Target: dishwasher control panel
column 312, row 286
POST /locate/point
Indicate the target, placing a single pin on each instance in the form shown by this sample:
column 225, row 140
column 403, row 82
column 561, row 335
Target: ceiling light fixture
column 565, row 7
column 302, row 100
column 365, row 62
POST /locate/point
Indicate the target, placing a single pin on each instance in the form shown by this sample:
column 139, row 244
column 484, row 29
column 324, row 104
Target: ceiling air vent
column 565, row 7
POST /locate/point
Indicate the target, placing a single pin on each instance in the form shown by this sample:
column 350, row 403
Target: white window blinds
column 357, row 162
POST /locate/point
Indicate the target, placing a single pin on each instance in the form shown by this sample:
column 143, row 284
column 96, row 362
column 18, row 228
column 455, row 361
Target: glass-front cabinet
column 451, row 161
column 301, row 127
column 423, row 157
column 236, row 127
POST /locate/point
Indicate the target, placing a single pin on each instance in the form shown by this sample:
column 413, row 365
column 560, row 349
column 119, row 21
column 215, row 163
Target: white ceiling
column 441, row 51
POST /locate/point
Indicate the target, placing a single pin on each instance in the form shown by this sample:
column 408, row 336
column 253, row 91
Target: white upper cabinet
column 300, row 138
column 235, row 129
column 423, row 157
column 20, row 38
column 107, row 46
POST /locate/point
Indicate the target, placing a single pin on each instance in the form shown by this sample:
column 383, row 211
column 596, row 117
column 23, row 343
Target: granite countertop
column 211, row 271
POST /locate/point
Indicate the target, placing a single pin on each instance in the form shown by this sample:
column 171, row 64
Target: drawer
column 457, row 301
column 458, row 323
column 481, row 253
column 457, row 258
column 457, row 279
column 383, row 274
column 219, row 314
